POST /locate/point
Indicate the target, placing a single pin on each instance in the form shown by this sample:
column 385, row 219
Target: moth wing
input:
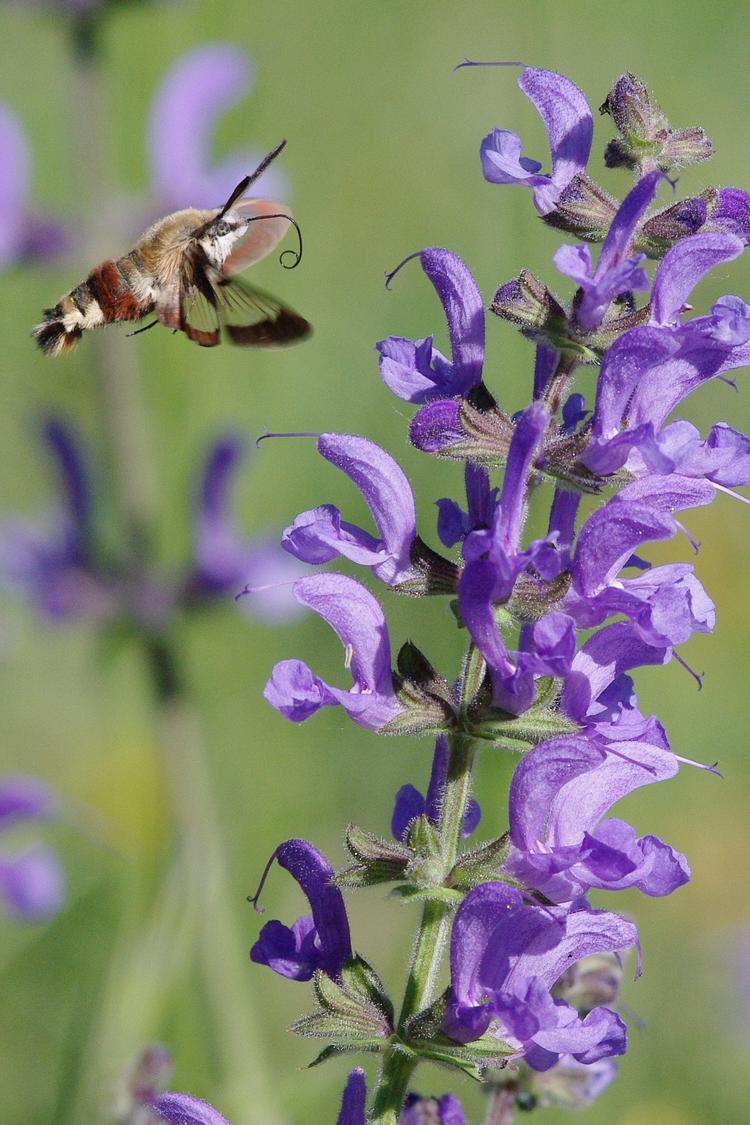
column 199, row 317
column 252, row 318
column 270, row 222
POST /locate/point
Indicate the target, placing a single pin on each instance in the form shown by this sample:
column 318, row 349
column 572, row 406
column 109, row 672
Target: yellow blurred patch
column 126, row 792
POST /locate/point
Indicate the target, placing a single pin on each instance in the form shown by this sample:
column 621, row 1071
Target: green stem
column 432, row 937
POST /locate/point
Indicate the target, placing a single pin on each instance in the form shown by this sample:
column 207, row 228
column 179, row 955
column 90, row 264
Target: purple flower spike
column 200, row 86
column 506, row 956
column 567, row 119
column 352, row 1110
column 615, row 273
column 414, row 369
column 560, row 843
column 182, row 1109
column 319, row 535
column 602, row 660
column 358, row 620
column 321, row 942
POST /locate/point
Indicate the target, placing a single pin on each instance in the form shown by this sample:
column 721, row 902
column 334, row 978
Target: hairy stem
column 432, row 936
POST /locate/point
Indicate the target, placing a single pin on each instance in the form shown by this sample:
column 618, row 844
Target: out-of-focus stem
column 502, row 1104
column 192, row 906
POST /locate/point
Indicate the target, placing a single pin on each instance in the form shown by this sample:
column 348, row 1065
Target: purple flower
column 182, row 1109
column 505, row 958
column 568, row 1084
column 32, row 884
column 320, row 941
column 410, row 803
column 353, row 1100
column 24, row 234
column 454, row 524
column 560, row 843
column 414, row 369
column 55, row 566
column 667, row 604
column 615, row 273
column 567, row 119
column 225, row 562
column 431, row 1111
column 355, row 616
column 319, row 535
column 200, row 86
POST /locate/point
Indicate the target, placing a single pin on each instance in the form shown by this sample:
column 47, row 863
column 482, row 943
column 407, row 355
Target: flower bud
column 647, row 140
column 583, row 209
column 528, row 304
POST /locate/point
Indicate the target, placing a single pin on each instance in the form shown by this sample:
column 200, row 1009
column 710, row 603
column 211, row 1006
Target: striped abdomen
column 115, row 290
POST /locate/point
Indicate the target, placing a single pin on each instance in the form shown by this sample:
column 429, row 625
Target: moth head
column 219, row 236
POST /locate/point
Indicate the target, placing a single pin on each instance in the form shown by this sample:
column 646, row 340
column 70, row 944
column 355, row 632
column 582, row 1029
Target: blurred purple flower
column 416, row 1111
column 200, row 86
column 568, row 1084
column 225, row 563
column 25, row 235
column 32, row 884
column 182, row 1109
column 54, row 565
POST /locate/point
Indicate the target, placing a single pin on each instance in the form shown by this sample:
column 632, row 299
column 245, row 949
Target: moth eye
column 221, row 228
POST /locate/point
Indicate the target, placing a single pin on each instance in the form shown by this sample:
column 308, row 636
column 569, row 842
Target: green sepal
column 473, row 676
column 378, row 860
column 334, row 1050
column 431, row 573
column 481, row 865
column 340, row 1030
column 359, row 977
column 523, row 731
column 471, row 1058
column 423, row 838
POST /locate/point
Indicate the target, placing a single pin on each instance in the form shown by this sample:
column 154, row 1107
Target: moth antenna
column 243, row 185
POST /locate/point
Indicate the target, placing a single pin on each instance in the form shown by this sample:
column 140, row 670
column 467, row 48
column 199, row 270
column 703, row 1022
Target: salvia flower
column 316, row 941
column 32, row 884
column 569, row 124
column 356, row 617
column 560, row 843
column 414, row 369
column 319, row 535
column 416, row 1111
column 505, row 958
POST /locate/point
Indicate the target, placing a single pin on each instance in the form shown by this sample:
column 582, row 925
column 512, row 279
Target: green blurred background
column 382, row 159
